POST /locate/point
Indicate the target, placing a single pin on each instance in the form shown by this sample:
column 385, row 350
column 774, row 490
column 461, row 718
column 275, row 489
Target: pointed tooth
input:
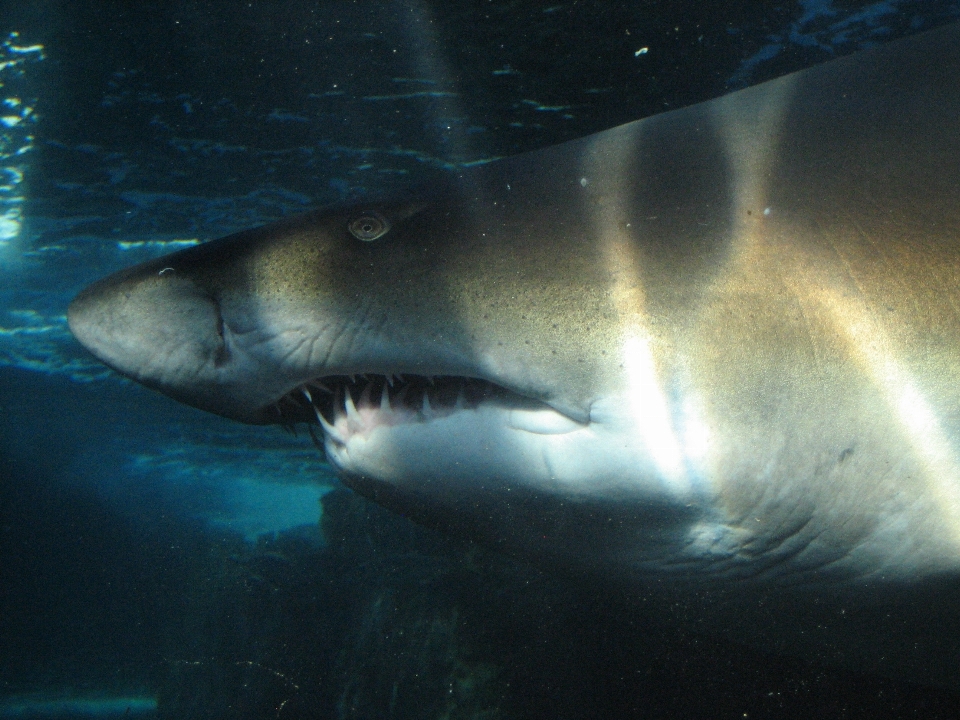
column 353, row 379
column 317, row 385
column 306, row 394
column 385, row 398
column 352, row 415
column 427, row 409
column 327, row 427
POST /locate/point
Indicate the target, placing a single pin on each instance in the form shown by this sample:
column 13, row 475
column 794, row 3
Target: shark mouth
column 346, row 405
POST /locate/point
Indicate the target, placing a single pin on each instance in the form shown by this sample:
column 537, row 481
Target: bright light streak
column 650, row 411
column 15, row 140
column 910, row 407
column 648, row 408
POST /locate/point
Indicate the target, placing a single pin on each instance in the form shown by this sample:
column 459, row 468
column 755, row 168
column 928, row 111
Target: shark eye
column 368, row 226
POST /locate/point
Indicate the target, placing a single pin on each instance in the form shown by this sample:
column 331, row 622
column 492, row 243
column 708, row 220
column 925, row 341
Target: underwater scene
column 159, row 561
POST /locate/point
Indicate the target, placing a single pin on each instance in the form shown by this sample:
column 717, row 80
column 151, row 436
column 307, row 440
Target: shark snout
column 157, row 328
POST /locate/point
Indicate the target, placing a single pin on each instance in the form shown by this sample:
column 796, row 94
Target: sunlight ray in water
column 17, row 116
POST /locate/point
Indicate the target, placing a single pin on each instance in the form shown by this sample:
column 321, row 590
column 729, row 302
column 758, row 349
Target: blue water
column 207, row 569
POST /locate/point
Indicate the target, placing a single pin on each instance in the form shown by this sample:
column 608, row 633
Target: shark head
column 445, row 339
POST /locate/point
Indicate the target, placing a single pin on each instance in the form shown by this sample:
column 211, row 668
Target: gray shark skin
column 714, row 352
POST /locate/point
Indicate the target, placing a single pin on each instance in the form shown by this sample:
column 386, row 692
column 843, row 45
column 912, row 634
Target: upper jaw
column 349, row 403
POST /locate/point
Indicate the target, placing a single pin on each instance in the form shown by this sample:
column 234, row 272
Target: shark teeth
column 330, row 429
column 426, row 409
column 353, row 417
column 347, row 405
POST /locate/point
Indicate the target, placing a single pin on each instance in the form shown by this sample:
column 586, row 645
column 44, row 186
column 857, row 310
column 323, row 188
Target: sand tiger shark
column 716, row 350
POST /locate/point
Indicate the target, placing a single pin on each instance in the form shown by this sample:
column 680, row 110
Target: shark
column 713, row 353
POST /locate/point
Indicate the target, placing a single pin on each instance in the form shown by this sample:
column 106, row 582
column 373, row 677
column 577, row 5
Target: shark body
column 715, row 350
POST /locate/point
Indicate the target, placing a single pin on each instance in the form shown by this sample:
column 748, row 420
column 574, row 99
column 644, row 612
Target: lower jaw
column 463, row 446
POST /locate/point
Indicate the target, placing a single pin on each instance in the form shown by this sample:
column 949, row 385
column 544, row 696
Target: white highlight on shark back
column 650, row 411
column 645, row 412
column 913, row 411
